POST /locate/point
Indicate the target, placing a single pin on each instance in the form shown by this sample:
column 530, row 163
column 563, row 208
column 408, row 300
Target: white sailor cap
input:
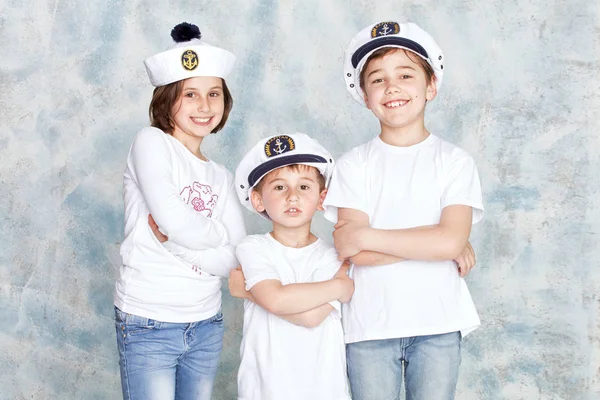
column 188, row 58
column 279, row 151
column 389, row 34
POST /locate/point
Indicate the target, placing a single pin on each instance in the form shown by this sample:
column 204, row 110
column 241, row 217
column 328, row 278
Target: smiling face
column 199, row 109
column 290, row 195
column 396, row 88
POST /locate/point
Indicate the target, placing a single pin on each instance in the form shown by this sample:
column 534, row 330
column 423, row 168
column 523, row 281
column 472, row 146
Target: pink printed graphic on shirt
column 200, row 197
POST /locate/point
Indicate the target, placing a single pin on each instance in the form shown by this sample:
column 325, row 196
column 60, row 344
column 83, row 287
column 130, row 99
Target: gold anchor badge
column 384, row 29
column 189, row 60
column 278, row 145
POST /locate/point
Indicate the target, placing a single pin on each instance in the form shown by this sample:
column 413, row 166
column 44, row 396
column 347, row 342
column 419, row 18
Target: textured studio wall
column 520, row 94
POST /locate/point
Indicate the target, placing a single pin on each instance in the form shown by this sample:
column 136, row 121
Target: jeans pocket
column 131, row 324
column 217, row 318
column 120, row 316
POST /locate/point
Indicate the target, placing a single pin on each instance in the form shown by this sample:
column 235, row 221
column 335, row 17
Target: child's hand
column 237, row 283
column 466, row 260
column 159, row 235
column 346, row 281
column 343, row 271
column 346, row 238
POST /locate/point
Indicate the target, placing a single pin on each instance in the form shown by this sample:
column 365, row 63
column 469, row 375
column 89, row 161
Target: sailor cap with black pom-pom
column 188, row 58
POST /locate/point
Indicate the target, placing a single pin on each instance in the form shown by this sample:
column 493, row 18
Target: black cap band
column 279, row 162
column 387, row 41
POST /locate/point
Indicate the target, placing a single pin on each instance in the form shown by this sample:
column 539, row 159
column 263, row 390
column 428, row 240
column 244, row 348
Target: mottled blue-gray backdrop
column 520, row 94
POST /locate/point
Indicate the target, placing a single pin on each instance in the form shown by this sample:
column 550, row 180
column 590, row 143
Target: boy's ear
column 256, row 200
column 431, row 89
column 366, row 99
column 321, row 200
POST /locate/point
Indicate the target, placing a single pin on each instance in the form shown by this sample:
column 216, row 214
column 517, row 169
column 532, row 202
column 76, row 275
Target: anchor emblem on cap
column 384, row 29
column 278, row 145
column 189, row 60
column 278, row 149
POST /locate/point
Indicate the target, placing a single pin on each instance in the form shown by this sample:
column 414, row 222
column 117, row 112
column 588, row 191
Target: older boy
column 293, row 345
column 404, row 195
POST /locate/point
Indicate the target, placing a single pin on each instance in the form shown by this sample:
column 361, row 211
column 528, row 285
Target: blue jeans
column 163, row 360
column 375, row 367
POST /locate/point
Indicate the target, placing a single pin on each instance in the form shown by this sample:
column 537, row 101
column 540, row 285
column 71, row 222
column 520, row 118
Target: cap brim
column 266, row 167
column 371, row 45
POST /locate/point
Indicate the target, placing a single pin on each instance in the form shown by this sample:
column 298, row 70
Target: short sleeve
column 347, row 187
column 462, row 186
column 327, row 270
column 328, row 266
column 257, row 267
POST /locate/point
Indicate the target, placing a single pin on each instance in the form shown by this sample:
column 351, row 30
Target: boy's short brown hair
column 384, row 51
column 165, row 97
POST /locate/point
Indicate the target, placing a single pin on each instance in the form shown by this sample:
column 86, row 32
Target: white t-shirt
column 195, row 205
column 399, row 188
column 281, row 360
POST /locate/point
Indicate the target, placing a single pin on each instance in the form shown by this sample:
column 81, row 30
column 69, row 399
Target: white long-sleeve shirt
column 195, row 205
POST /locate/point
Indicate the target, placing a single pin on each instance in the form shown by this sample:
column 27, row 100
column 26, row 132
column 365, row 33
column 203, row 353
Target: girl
column 168, row 311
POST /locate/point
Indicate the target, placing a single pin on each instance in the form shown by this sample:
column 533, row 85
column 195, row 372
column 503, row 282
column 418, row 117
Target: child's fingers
column 340, row 223
column 342, row 272
column 462, row 265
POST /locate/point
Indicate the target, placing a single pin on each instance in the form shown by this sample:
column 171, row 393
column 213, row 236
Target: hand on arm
column 466, row 260
column 347, row 282
column 159, row 235
column 237, row 284
column 351, row 224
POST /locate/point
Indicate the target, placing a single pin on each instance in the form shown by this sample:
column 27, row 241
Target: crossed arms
column 355, row 240
column 303, row 304
column 307, row 304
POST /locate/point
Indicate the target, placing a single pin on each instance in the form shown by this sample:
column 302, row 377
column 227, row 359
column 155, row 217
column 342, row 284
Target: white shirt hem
column 403, row 333
column 167, row 317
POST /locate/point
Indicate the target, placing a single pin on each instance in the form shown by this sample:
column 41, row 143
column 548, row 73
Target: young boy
column 293, row 344
column 404, row 203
